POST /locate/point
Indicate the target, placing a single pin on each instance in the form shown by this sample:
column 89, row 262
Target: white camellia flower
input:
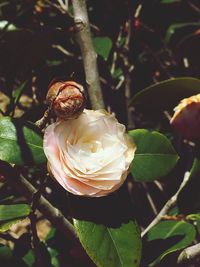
column 90, row 155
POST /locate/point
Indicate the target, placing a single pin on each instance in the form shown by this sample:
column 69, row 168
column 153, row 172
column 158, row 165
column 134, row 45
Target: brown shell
column 67, row 99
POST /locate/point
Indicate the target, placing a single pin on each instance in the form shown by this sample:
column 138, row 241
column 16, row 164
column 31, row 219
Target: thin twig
column 194, row 7
column 170, row 204
column 88, row 53
column 33, row 219
column 63, row 5
column 24, row 187
column 114, row 59
column 127, row 77
column 151, row 202
column 158, row 185
column 112, row 69
column 58, row 7
column 36, row 242
column 63, row 50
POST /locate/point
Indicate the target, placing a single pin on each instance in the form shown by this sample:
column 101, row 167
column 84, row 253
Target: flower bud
column 66, row 99
column 186, row 119
column 2, row 178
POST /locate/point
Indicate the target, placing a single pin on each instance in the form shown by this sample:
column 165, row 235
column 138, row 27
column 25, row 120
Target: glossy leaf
column 167, row 229
column 113, row 247
column 6, row 225
column 8, row 212
column 103, row 46
column 177, row 26
column 20, row 143
column 165, row 95
column 11, row 214
column 155, row 156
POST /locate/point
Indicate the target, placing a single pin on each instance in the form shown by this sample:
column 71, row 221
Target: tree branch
column 189, row 253
column 24, row 187
column 36, row 242
column 170, row 204
column 88, row 53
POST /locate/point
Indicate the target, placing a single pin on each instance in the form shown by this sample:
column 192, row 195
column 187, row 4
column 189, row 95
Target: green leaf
column 6, row 199
column 29, row 258
column 54, row 63
column 117, row 73
column 167, row 229
column 6, row 25
column 16, row 94
column 8, row 212
column 5, row 254
column 155, row 156
column 103, row 46
column 54, row 260
column 20, row 143
column 196, row 220
column 6, row 226
column 110, row 247
column 11, row 214
column 177, row 26
column 165, row 95
column 51, row 234
column 169, row 1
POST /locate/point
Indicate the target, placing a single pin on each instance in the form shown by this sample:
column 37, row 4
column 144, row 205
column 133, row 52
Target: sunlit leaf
column 20, row 142
column 7, row 26
column 103, row 46
column 155, row 156
column 7, row 225
column 8, row 212
column 12, row 214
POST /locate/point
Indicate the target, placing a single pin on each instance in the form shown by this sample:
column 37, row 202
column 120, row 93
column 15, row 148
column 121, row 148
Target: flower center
column 93, row 146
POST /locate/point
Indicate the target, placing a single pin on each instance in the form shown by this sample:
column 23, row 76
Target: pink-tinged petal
column 78, row 188
column 90, row 155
